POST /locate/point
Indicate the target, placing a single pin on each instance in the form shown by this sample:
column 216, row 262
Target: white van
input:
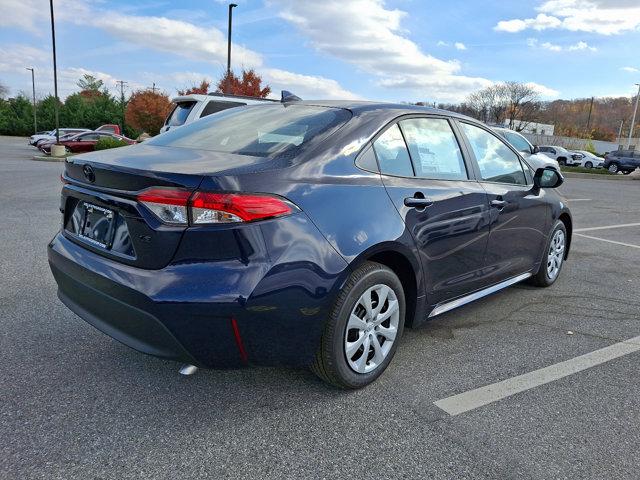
column 189, row 108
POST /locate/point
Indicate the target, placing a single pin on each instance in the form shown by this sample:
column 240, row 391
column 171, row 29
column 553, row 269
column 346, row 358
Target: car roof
column 198, row 97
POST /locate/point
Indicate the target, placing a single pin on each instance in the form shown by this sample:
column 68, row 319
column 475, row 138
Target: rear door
column 519, row 213
column 85, row 143
column 443, row 207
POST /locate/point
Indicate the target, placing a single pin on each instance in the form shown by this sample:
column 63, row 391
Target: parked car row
column 76, row 140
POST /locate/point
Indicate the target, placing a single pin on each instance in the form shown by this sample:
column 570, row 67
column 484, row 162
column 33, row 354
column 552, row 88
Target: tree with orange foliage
column 250, row 84
column 201, row 89
column 147, row 110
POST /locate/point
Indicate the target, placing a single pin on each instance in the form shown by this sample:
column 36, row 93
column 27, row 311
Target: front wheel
column 588, row 165
column 363, row 330
column 562, row 162
column 613, row 168
column 553, row 260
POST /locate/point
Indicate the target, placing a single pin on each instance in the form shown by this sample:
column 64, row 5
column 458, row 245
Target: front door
column 518, row 211
column 444, row 210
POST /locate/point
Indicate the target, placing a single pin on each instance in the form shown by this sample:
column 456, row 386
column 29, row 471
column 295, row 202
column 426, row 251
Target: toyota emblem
column 88, row 173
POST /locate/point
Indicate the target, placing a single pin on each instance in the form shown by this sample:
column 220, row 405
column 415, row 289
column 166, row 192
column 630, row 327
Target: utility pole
column 589, row 118
column 33, row 85
column 153, row 89
column 55, row 72
column 122, row 83
column 633, row 119
column 228, row 82
column 620, row 133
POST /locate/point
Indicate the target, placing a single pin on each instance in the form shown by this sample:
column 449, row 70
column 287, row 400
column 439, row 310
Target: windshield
column 180, row 113
column 260, row 130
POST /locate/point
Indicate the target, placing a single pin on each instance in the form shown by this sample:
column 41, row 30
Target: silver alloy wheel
column 613, row 168
column 372, row 328
column 588, row 164
column 556, row 254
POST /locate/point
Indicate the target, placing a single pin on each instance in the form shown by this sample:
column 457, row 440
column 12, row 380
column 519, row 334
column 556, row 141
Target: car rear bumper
column 214, row 314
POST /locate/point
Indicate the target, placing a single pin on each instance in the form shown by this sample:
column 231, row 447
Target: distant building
column 532, row 127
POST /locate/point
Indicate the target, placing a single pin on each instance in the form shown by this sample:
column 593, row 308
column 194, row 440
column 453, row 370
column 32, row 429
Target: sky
column 386, row 50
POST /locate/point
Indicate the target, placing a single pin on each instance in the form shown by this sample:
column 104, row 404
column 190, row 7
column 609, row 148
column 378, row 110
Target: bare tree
column 508, row 101
column 521, row 101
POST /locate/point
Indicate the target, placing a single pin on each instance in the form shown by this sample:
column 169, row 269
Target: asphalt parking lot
column 76, row 404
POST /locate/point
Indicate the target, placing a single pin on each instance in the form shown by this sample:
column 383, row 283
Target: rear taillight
column 172, row 205
column 168, row 204
column 235, row 207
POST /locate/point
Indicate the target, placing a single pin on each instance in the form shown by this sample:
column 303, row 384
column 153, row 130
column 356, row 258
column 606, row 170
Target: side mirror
column 547, row 177
column 535, row 149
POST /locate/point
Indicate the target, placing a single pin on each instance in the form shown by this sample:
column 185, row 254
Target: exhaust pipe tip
column 187, row 369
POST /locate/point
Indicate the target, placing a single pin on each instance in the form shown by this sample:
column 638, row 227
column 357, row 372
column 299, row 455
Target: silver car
column 528, row 151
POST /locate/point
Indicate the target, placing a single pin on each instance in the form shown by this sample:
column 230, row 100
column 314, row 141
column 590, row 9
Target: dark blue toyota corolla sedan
column 301, row 233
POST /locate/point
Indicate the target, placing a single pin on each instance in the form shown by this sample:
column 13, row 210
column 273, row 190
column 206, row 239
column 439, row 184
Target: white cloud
column 14, row 58
column 605, row 17
column 366, row 34
column 305, row 86
column 544, row 91
column 630, row 69
column 442, row 43
column 534, row 43
column 551, row 46
column 540, row 22
column 460, row 46
column 582, row 46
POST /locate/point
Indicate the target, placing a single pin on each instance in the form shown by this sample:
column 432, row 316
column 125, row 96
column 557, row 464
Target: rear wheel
column 562, row 161
column 613, row 168
column 588, row 165
column 363, row 330
column 553, row 260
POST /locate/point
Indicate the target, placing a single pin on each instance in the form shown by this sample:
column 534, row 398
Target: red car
column 83, row 142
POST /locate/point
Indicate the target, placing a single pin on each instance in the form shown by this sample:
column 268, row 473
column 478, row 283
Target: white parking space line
column 608, row 241
column 479, row 397
column 606, row 227
column 578, row 199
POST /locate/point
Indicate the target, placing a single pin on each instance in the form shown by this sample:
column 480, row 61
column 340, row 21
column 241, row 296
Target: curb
column 599, row 176
column 42, row 158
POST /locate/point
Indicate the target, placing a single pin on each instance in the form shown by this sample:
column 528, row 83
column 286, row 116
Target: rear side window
column 213, row 107
column 180, row 113
column 276, row 130
column 434, row 149
column 497, row 162
column 392, row 153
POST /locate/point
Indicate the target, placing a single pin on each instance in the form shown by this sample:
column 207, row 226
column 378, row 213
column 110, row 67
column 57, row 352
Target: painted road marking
column 620, row 225
column 479, row 397
column 609, row 241
column 578, row 199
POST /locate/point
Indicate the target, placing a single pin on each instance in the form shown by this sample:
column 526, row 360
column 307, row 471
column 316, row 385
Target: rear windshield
column 260, row 130
column 180, row 113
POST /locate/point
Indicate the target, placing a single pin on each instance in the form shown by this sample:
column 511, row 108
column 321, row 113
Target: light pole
column 33, row 85
column 633, row 119
column 231, row 7
column 55, row 72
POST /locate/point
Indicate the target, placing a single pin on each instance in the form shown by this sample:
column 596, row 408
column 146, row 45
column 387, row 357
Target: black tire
column 331, row 363
column 541, row 277
column 562, row 161
column 613, row 168
column 626, row 172
column 588, row 165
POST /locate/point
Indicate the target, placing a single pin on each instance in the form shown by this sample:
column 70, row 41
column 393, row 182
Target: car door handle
column 500, row 204
column 417, row 202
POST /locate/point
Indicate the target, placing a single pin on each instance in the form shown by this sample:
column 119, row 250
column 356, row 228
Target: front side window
column 497, row 162
column 392, row 153
column 434, row 149
column 518, row 142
